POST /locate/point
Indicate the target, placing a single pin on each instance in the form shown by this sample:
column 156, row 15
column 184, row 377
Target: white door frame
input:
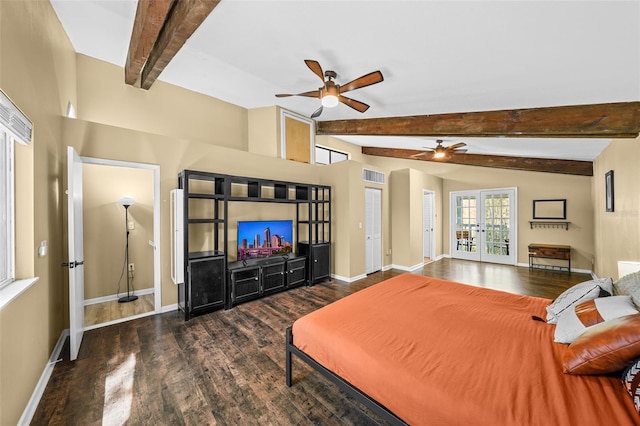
column 432, row 242
column 157, row 278
column 480, row 227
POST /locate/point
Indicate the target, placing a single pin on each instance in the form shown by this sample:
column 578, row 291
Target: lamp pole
column 127, row 202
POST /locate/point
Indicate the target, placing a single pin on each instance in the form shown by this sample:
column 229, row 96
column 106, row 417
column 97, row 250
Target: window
column 14, row 127
column 329, row 156
column 7, row 241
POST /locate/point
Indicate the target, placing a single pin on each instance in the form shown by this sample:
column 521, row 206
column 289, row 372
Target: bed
column 420, row 350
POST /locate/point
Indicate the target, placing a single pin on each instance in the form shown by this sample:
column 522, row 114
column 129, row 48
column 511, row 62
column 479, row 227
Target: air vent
column 372, row 176
column 14, row 120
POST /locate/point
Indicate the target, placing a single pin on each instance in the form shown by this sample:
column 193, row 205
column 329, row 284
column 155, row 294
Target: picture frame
column 550, row 209
column 609, row 199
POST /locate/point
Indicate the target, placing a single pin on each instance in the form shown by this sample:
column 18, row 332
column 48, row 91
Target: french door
column 484, row 225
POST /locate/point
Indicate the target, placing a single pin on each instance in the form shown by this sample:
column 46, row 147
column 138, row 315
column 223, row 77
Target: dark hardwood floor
column 227, row 367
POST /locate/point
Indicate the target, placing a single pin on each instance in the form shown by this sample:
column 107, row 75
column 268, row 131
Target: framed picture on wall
column 608, row 182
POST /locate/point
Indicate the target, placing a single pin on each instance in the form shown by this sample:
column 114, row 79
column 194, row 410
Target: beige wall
column 178, row 129
column 37, row 70
column 105, row 235
column 535, row 186
column 264, row 131
column 531, row 186
column 617, row 233
column 164, row 109
column 174, row 155
column 407, row 187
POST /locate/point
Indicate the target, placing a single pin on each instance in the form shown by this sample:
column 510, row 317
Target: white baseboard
column 112, row 297
column 408, row 268
column 169, row 308
column 32, row 405
column 347, row 279
column 578, row 271
column 387, row 268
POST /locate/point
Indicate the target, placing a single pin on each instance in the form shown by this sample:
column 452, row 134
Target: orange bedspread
column 436, row 352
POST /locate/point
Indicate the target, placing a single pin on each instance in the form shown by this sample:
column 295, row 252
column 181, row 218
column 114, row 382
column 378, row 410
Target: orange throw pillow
column 604, row 348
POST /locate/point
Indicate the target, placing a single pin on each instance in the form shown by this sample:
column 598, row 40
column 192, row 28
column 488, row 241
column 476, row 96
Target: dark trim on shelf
column 549, row 224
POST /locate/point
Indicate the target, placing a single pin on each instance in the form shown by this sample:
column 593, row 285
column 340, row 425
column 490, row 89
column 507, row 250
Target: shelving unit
column 315, row 215
column 209, row 194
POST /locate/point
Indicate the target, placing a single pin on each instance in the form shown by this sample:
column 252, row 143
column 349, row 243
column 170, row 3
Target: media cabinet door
column 273, row 278
column 245, row 284
column 206, row 283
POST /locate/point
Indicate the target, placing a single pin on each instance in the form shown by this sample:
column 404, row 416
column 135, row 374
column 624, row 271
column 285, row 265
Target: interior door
column 76, row 252
column 427, row 224
column 484, row 225
column 373, row 230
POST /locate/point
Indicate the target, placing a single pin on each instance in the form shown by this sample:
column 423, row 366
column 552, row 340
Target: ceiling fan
column 331, row 93
column 440, row 151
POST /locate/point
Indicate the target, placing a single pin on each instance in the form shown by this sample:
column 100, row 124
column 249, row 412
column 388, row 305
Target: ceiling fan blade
column 315, row 67
column 457, row 145
column 317, row 112
column 310, row 94
column 357, row 105
column 365, row 80
column 459, row 151
column 420, row 154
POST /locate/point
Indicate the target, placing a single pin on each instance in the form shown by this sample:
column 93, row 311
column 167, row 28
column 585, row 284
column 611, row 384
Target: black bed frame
column 360, row 396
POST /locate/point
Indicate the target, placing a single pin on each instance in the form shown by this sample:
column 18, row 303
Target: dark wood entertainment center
column 212, row 282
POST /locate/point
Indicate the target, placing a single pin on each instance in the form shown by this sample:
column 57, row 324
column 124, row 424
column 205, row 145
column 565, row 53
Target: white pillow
column 573, row 322
column 587, row 290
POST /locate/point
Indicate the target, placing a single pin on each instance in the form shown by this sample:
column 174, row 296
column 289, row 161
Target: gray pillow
column 629, row 285
column 588, row 290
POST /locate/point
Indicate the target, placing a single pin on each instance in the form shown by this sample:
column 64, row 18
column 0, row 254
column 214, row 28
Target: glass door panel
column 497, row 226
column 465, row 231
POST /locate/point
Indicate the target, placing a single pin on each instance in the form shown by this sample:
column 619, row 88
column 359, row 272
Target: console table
column 549, row 251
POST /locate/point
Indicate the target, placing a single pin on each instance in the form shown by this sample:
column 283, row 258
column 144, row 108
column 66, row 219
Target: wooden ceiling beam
column 613, row 120
column 567, row 167
column 181, row 22
column 150, row 17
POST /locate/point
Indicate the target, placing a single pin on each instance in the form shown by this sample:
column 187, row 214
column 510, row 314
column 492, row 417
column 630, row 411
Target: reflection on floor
column 109, row 311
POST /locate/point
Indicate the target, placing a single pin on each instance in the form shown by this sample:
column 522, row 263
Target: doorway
column 107, row 275
column 484, row 225
column 428, row 221
column 373, row 229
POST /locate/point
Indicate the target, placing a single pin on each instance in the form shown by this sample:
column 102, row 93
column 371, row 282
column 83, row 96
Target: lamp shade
column 126, row 201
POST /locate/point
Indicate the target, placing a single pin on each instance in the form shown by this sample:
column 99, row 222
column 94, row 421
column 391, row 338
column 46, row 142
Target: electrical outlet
column 131, row 225
column 132, row 267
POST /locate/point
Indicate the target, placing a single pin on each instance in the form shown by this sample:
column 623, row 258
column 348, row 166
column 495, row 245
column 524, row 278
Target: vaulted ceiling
column 489, row 73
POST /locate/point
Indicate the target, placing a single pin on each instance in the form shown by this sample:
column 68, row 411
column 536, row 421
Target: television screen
column 264, row 238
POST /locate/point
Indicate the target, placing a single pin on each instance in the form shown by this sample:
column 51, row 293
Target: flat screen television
column 263, row 238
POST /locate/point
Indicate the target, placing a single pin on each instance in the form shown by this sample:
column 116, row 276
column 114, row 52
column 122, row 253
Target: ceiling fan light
column 438, row 154
column 330, row 94
column 329, row 101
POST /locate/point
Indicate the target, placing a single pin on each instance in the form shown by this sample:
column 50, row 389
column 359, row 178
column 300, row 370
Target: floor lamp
column 127, row 202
